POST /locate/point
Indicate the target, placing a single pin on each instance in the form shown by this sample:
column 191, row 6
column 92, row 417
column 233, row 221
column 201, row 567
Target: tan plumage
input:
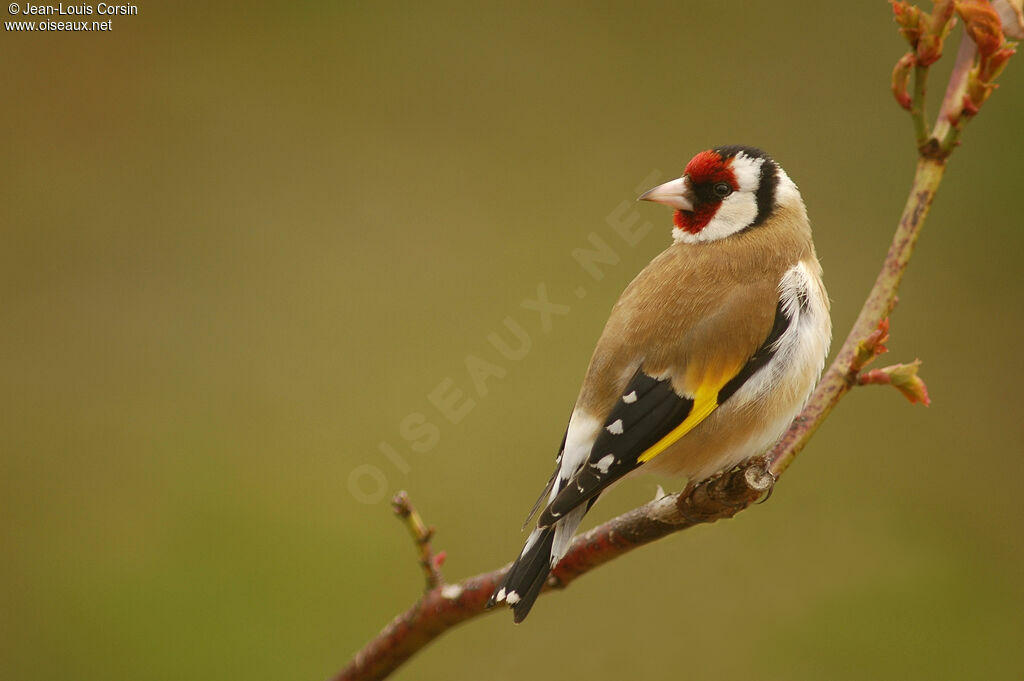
column 697, row 313
column 706, row 357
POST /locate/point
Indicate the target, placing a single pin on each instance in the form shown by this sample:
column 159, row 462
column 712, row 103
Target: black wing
column 648, row 411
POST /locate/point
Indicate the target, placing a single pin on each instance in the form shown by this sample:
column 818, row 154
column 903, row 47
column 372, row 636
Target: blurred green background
column 243, row 242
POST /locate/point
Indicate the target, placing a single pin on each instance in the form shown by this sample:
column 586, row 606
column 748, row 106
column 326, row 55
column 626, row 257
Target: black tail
column 527, row 575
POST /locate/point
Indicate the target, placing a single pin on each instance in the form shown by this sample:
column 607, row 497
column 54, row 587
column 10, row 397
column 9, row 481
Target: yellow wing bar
column 704, row 402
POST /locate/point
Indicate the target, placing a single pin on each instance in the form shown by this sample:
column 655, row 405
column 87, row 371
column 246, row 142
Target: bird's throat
column 692, row 222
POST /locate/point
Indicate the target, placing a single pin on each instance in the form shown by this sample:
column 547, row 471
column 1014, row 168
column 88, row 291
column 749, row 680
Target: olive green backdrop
column 243, row 243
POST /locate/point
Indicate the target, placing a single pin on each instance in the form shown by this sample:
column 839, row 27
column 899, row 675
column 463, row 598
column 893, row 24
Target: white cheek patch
column 737, row 211
column 735, row 214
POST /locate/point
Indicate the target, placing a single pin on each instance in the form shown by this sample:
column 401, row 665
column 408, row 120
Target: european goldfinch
column 707, row 357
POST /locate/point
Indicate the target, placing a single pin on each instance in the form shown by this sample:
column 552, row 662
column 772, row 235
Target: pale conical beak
column 675, row 194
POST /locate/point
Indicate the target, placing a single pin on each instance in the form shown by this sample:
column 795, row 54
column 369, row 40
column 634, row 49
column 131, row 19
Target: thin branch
column 445, row 606
column 917, row 105
column 434, row 613
column 951, row 119
column 421, row 535
column 903, row 377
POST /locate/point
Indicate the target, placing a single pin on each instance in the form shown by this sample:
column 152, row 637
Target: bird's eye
column 722, row 189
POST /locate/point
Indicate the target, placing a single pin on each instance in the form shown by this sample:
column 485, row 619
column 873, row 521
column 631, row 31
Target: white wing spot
column 501, row 595
column 512, row 598
column 615, row 428
column 604, row 463
column 630, row 398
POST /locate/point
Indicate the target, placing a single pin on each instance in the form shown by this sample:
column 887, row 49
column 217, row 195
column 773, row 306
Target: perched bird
column 707, row 357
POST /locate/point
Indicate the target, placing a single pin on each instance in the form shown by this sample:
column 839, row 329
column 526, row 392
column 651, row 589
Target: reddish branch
column 445, row 605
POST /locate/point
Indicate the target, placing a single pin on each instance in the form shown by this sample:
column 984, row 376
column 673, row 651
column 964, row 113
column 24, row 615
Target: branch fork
column 903, row 377
column 982, row 56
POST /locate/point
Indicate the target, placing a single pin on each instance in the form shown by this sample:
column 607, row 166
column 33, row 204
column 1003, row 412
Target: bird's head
column 724, row 191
